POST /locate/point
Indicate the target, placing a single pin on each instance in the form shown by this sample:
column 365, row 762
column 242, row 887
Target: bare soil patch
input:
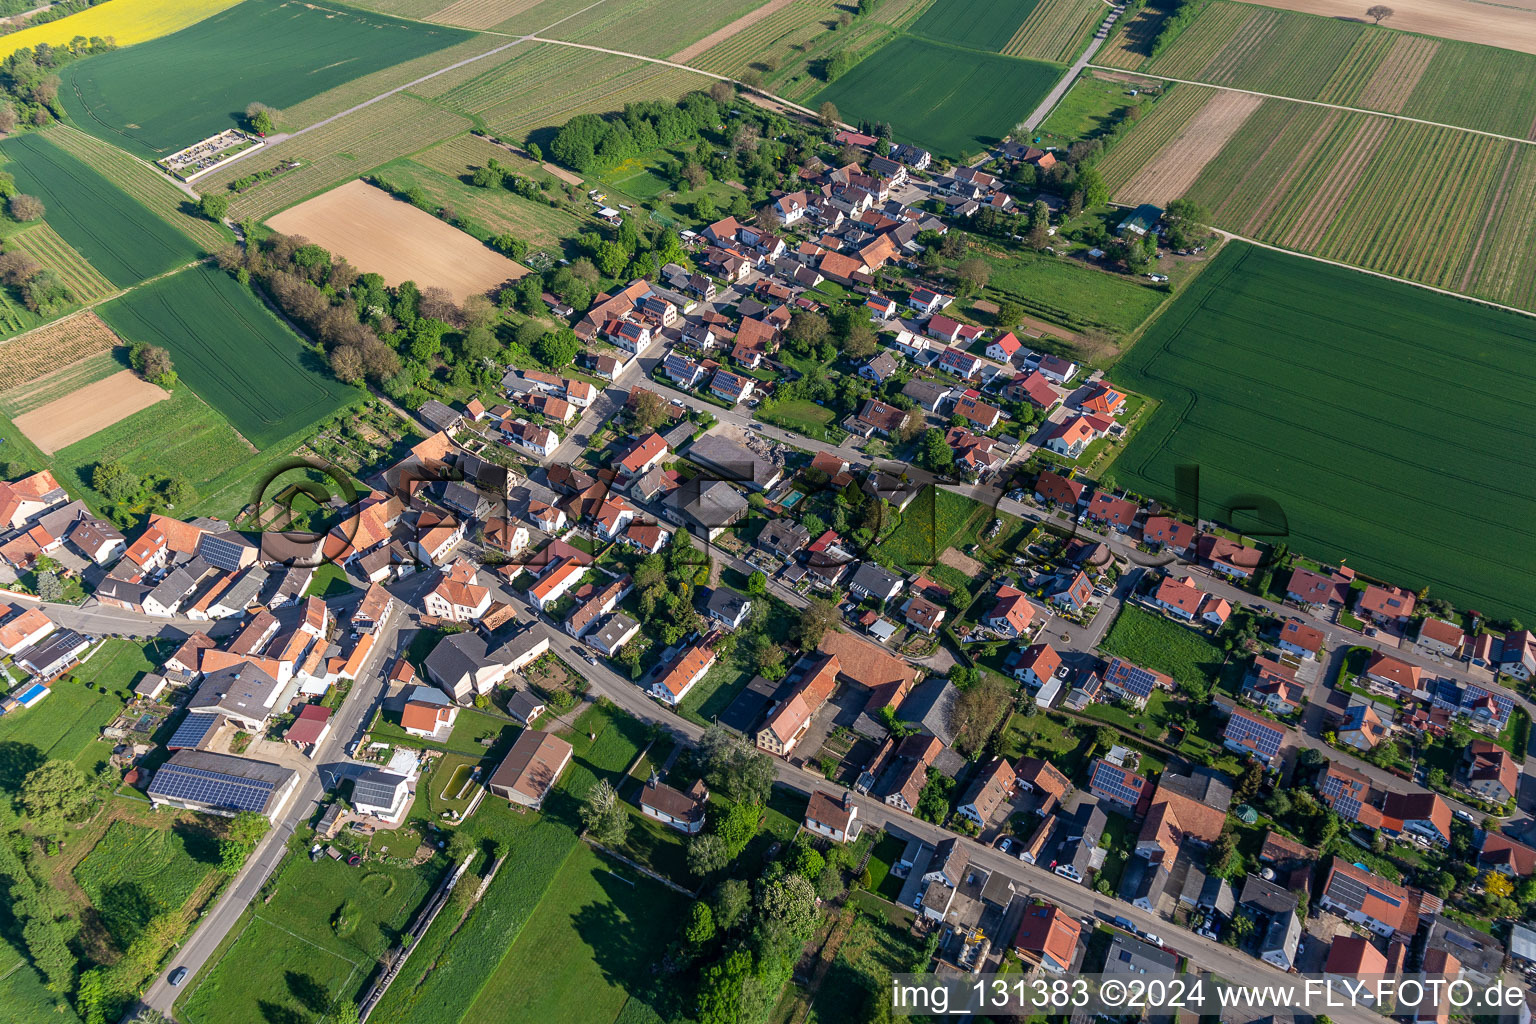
column 965, row 563
column 1506, row 26
column 1170, row 174
column 378, row 233
column 94, row 407
column 720, row 35
column 38, row 353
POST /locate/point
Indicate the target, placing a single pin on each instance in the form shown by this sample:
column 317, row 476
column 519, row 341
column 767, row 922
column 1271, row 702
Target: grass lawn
column 1068, row 292
column 329, row 581
column 873, row 950
column 1155, row 642
column 1086, row 111
column 803, row 416
column 468, row 731
column 590, row 947
column 886, row 853
column 1047, row 736
column 313, row 943
column 450, row 776
column 1329, row 450
column 22, row 992
column 135, row 873
column 729, row 676
column 933, row 521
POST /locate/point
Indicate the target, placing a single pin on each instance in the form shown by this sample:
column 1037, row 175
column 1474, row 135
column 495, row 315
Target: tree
column 1184, row 223
column 1091, row 186
column 937, row 454
column 49, row 588
column 153, row 364
column 828, row 114
column 1009, row 313
column 1248, row 782
column 248, row 828
column 1379, row 13
column 17, row 267
column 604, row 816
column 701, row 925
column 933, row 801
column 557, row 349
column 258, row 117
column 25, row 208
column 818, row 616
column 706, row 856
column 214, row 206
column 54, row 793
column 737, row 826
column 1498, row 885
column 731, row 902
column 805, row 860
column 344, row 1011
column 734, row 768
column 721, row 92
column 860, row 341
column 757, row 583
column 720, row 989
column 973, row 274
column 611, row 258
column 806, row 330
column 650, row 410
column 114, row 482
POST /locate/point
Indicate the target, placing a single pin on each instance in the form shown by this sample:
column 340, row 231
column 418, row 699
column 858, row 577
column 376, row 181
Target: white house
column 834, row 817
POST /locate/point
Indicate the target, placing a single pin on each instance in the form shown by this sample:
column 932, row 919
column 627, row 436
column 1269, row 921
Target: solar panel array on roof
column 1132, row 678
column 192, row 731
column 1262, row 738
column 1116, row 783
column 211, row 788
column 376, row 788
column 1471, row 694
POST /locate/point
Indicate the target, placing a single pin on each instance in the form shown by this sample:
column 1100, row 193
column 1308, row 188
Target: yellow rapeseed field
column 127, row 21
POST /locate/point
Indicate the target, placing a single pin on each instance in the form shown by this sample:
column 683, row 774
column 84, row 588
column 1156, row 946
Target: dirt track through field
column 1453, row 19
column 720, row 35
column 379, row 234
column 1169, row 175
column 94, row 407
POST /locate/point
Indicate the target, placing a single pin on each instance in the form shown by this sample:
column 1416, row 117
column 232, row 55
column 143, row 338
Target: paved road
column 1052, row 98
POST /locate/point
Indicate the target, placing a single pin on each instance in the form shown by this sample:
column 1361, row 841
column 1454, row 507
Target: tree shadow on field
column 274, row 1013
column 309, row 992
column 201, row 845
column 17, row 760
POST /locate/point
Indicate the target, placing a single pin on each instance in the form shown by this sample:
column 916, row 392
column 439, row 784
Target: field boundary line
column 106, row 299
column 332, row 952
column 1374, row 273
column 1334, row 106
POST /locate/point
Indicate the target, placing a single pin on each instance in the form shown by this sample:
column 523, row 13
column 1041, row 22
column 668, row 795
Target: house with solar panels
column 1118, row 786
column 384, row 795
column 197, row 780
column 1249, row 733
column 1124, row 680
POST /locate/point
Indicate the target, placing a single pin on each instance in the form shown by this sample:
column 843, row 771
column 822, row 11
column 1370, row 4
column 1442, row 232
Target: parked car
column 177, row 976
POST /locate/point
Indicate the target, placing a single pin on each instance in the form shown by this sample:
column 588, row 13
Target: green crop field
column 949, row 99
column 232, row 351
column 104, row 224
column 803, row 23
column 22, row 992
column 136, row 873
column 975, row 24
column 144, row 183
column 160, row 96
column 1056, row 30
column 1348, row 399
column 1337, row 60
